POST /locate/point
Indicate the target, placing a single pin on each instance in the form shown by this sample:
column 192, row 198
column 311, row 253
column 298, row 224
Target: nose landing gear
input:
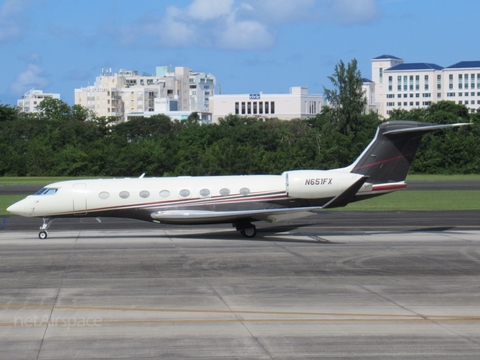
column 43, row 229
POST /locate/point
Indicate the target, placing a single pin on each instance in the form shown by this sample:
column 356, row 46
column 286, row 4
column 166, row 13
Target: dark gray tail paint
column 389, row 156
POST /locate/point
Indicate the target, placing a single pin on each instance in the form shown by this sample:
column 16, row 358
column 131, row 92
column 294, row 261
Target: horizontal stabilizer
column 427, row 128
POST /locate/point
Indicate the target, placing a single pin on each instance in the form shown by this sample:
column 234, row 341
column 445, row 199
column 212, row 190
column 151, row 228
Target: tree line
column 63, row 140
column 68, row 141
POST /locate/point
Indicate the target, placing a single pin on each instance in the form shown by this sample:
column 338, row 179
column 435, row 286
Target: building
column 31, row 99
column 299, row 104
column 127, row 92
column 399, row 85
column 169, row 107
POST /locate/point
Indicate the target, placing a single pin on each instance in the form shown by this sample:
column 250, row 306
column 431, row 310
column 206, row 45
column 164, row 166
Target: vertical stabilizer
column 390, row 154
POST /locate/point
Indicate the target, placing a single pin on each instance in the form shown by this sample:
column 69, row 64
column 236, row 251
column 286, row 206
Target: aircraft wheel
column 42, row 235
column 249, row 232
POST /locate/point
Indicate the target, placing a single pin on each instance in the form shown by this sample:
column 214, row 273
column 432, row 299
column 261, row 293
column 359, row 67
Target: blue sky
column 249, row 45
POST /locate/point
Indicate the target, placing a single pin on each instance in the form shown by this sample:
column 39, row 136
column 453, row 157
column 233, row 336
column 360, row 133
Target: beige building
column 299, row 104
column 120, row 94
column 400, row 85
column 31, row 99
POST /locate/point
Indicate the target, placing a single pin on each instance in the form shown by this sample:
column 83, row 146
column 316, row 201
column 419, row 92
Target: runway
column 294, row 292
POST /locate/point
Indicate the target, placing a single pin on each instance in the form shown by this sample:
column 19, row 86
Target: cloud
column 31, row 58
column 33, row 77
column 238, row 24
column 209, row 9
column 13, row 22
column 352, row 12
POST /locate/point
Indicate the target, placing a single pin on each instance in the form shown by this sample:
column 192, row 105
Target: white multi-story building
column 126, row 92
column 299, row 104
column 400, row 85
column 31, row 99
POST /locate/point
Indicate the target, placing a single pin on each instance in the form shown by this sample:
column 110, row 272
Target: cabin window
column 184, row 193
column 144, row 194
column 244, row 191
column 224, row 192
column 104, row 195
column 204, row 192
column 124, row 194
column 164, row 193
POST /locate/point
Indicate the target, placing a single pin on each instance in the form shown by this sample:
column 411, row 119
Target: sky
column 250, row 46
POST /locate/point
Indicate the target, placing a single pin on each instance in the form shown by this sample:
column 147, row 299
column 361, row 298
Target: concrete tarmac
column 208, row 293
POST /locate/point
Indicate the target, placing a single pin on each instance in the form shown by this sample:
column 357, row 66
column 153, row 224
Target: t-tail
column 387, row 159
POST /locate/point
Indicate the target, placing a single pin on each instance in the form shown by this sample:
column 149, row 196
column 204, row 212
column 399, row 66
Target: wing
column 269, row 215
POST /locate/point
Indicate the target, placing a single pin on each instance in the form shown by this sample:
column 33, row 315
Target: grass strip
column 420, row 200
column 33, row 180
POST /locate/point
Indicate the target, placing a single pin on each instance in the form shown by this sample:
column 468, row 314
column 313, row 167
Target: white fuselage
column 141, row 197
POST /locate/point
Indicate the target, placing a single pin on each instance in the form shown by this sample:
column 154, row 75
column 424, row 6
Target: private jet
column 239, row 200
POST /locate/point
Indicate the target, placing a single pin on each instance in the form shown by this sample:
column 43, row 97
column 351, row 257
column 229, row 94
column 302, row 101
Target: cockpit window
column 46, row 191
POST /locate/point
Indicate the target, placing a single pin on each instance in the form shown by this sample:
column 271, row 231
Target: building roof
column 465, row 65
column 365, row 80
column 381, row 57
column 416, row 66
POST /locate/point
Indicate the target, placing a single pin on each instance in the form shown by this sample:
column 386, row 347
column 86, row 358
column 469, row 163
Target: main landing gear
column 247, row 229
column 43, row 229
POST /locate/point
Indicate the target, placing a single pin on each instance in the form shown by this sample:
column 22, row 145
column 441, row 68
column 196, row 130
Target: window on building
column 255, row 107
column 237, row 108
column 426, row 77
column 272, row 107
column 260, row 107
column 243, row 108
column 266, row 107
column 249, row 107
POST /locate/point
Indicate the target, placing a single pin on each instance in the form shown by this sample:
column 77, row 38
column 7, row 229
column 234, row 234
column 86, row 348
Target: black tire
column 42, row 235
column 249, row 232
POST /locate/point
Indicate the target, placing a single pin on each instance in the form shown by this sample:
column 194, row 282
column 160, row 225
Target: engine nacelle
column 317, row 184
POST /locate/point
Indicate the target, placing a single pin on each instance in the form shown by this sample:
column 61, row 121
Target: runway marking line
column 345, row 317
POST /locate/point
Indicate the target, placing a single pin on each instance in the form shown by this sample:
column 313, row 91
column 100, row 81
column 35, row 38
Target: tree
column 347, row 97
column 8, row 113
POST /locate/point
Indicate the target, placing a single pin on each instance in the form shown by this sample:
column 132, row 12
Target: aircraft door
column 79, row 199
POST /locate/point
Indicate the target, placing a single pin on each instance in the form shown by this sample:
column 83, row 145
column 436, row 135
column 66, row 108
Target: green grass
column 33, row 180
column 7, row 200
column 426, row 177
column 420, row 200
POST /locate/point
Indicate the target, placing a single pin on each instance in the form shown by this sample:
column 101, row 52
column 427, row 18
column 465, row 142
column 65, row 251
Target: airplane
column 238, row 199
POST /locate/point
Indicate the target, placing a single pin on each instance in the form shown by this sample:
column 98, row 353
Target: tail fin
column 389, row 156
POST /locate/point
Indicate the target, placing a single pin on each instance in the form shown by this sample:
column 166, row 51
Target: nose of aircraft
column 19, row 208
